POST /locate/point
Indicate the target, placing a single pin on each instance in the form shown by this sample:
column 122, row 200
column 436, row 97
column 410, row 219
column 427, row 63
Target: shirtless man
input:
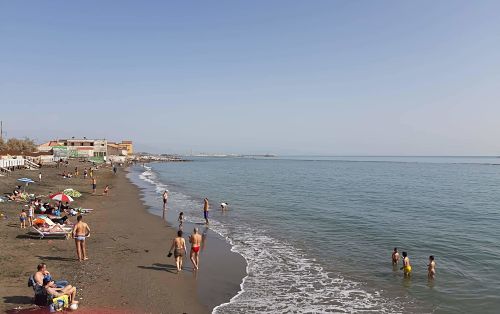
column 165, row 200
column 431, row 268
column 195, row 240
column 42, row 273
column 94, row 185
column 395, row 257
column 51, row 289
column 205, row 210
column 80, row 232
column 406, row 265
column 179, row 247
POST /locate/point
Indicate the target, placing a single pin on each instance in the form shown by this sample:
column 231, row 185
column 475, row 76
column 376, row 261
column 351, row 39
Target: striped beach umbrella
column 61, row 197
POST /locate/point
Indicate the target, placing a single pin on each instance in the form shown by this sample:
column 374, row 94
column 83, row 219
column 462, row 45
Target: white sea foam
column 280, row 277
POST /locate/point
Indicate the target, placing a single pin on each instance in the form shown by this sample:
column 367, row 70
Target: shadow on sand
column 56, row 258
column 162, row 267
column 18, row 299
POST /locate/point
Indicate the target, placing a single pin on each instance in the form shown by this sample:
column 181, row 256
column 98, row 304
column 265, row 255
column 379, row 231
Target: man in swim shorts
column 195, row 240
column 94, row 185
column 80, row 232
column 406, row 265
column 205, row 210
column 42, row 273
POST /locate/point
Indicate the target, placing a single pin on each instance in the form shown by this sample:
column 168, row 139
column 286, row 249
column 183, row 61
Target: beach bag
column 59, row 303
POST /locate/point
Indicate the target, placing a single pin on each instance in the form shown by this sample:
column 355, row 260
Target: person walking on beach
column 181, row 219
column 395, row 257
column 81, row 231
column 40, row 177
column 106, row 190
column 179, row 247
column 94, row 185
column 431, row 268
column 406, row 265
column 91, row 172
column 206, row 207
column 195, row 240
column 114, row 169
column 165, row 200
column 76, row 171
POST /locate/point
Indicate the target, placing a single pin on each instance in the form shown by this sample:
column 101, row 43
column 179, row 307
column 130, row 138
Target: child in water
column 181, row 219
column 406, row 265
column 431, row 268
column 22, row 218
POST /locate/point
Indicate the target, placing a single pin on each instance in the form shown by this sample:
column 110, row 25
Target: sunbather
column 52, row 289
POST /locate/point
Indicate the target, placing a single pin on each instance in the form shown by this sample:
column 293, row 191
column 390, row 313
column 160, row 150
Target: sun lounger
column 51, row 234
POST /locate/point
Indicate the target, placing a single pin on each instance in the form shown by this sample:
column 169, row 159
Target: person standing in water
column 395, row 257
column 206, row 207
column 431, row 268
column 224, row 205
column 195, row 240
column 406, row 265
column 165, row 201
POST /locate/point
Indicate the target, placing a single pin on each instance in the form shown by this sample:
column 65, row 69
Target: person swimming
column 406, row 265
column 431, row 268
column 395, row 256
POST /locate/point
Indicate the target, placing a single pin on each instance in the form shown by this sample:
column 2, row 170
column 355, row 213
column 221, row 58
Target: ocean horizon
column 317, row 232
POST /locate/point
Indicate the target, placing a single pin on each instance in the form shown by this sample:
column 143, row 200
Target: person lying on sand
column 51, row 289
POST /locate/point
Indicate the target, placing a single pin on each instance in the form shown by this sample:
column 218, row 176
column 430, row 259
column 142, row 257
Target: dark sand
column 128, row 269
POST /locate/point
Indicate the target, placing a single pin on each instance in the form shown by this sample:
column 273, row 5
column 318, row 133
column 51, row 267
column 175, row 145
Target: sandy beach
column 128, row 269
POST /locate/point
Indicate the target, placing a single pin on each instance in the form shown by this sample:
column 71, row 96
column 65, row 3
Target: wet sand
column 128, row 269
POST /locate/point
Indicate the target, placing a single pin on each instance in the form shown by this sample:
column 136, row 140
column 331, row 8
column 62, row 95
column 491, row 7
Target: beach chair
column 50, row 234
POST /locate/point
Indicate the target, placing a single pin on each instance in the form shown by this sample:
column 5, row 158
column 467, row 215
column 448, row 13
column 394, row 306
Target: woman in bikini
column 179, row 247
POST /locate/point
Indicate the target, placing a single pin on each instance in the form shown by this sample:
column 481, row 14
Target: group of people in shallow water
column 431, row 267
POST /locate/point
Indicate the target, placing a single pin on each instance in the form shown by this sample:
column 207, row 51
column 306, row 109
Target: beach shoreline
column 222, row 270
column 128, row 269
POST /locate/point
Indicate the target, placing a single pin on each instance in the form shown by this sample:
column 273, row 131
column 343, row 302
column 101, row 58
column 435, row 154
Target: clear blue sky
column 287, row 77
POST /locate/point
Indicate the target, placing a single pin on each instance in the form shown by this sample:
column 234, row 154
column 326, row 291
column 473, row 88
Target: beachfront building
column 124, row 145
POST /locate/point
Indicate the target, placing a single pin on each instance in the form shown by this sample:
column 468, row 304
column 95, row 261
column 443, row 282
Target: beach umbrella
column 61, row 197
column 72, row 193
column 26, row 180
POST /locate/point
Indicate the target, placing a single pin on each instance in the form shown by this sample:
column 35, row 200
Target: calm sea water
column 317, row 232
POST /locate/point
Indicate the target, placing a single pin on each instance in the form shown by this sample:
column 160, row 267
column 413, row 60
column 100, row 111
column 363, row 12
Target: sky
column 253, row 77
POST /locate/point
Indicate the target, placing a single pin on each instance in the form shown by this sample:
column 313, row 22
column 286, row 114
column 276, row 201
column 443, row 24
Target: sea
column 317, row 233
